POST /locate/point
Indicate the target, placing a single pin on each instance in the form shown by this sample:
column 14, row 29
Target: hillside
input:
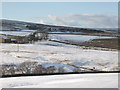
column 12, row 25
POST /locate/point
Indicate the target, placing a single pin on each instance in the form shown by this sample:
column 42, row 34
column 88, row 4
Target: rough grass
column 110, row 43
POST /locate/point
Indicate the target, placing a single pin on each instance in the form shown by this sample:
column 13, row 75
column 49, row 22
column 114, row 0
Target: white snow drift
column 62, row 81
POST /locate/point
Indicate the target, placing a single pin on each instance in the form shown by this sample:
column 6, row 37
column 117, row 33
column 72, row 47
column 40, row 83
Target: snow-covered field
column 62, row 81
column 18, row 33
column 74, row 38
column 61, row 55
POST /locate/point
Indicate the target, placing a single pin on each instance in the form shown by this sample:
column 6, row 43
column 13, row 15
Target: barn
column 4, row 39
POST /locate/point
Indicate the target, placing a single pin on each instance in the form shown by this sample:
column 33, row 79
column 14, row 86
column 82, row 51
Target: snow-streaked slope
column 62, row 81
column 59, row 55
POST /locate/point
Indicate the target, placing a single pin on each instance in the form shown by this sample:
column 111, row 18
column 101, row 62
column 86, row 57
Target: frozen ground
column 61, row 55
column 62, row 81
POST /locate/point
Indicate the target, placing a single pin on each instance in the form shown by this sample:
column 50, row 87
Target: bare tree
column 51, row 69
column 26, row 67
column 61, row 69
column 38, row 69
column 8, row 69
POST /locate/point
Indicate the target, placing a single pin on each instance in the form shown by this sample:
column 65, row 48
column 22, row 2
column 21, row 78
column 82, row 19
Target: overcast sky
column 76, row 14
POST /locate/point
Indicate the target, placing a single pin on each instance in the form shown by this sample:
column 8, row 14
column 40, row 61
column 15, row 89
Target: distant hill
column 12, row 25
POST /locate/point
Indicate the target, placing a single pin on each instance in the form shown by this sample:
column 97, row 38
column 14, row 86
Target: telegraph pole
column 18, row 44
column 18, row 47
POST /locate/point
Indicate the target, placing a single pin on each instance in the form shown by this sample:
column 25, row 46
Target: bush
column 26, row 67
column 8, row 69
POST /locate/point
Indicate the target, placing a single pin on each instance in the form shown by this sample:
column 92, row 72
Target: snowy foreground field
column 62, row 81
column 56, row 54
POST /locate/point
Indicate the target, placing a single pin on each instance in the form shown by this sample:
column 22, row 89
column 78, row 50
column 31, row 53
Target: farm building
column 4, row 39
